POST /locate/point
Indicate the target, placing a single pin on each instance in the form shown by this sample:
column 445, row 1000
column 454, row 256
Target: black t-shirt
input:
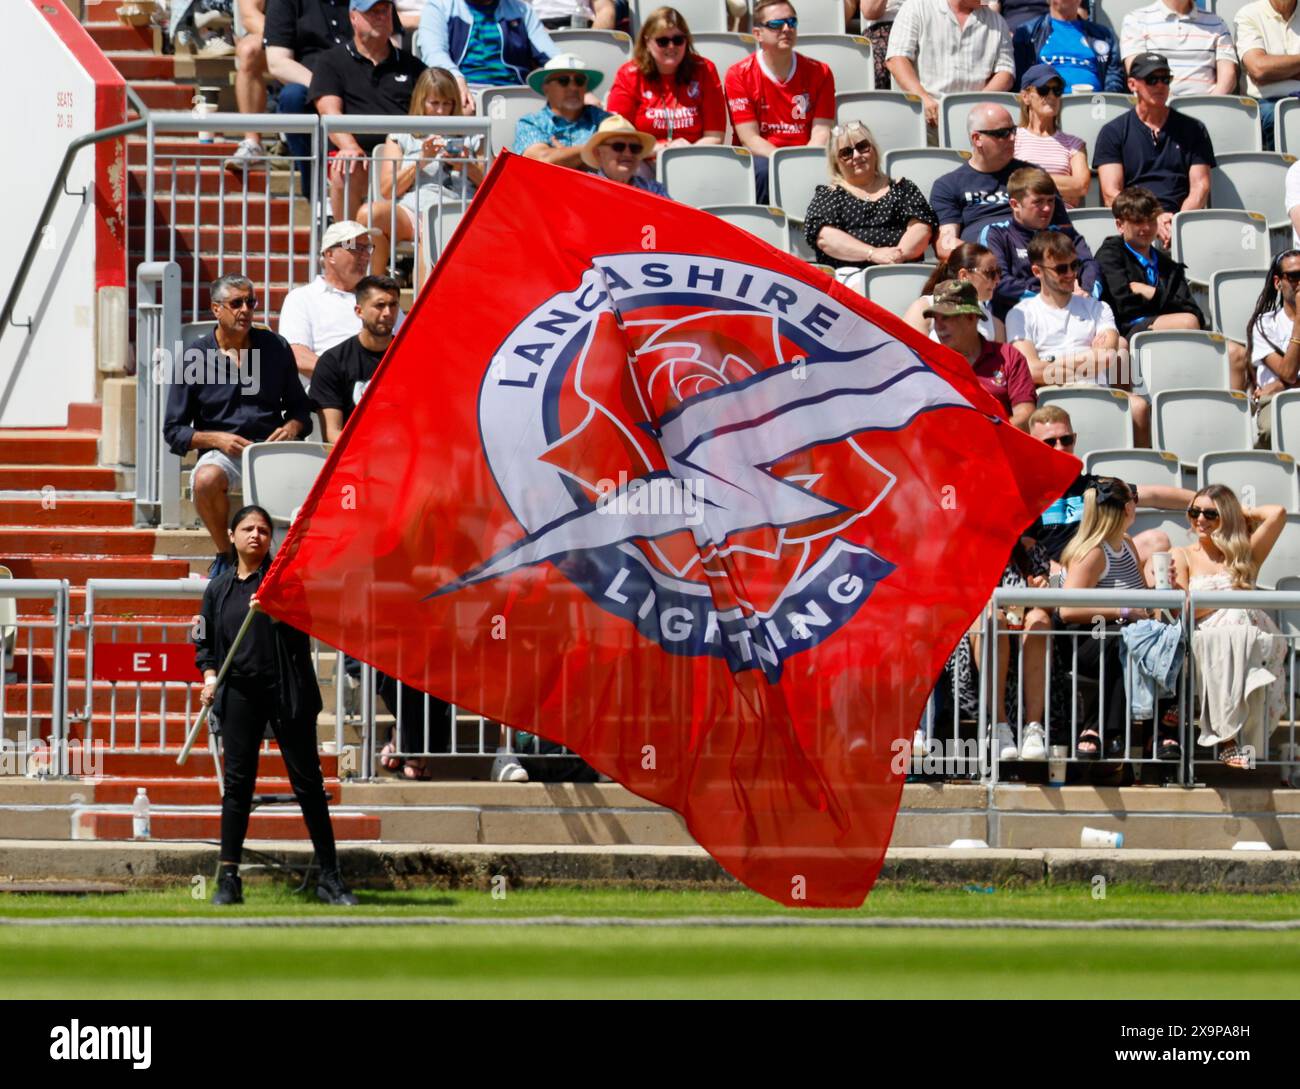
column 1161, row 164
column 308, row 27
column 1059, row 522
column 973, row 200
column 341, row 375
column 366, row 88
column 255, row 658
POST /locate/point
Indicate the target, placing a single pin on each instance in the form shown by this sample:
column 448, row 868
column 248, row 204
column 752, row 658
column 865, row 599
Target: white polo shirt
column 319, row 316
column 949, row 57
column 1058, row 330
column 1272, row 334
column 1192, row 44
column 1259, row 26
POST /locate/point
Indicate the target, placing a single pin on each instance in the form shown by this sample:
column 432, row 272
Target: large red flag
column 633, row 480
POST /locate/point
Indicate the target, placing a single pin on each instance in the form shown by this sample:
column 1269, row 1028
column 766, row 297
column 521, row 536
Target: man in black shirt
column 343, row 372
column 366, row 75
column 234, row 387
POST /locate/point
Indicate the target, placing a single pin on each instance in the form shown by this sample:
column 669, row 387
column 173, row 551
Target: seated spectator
column 343, row 372
column 1273, row 340
column 615, row 151
column 667, row 89
column 778, row 98
column 1197, row 43
column 1000, row 368
column 423, row 171
column 975, row 195
column 202, row 27
column 483, row 43
column 1152, row 146
column 297, row 33
column 877, row 21
column 250, row 80
column 247, row 392
column 1032, row 197
column 940, row 46
column 563, row 14
column 555, row 133
column 968, row 262
column 368, row 75
column 1268, row 43
column 408, row 17
column 1084, row 53
column 1231, row 546
column 1040, row 141
column 863, row 218
column 1065, row 336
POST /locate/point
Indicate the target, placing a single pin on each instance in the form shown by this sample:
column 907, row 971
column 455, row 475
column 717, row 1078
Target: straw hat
column 613, row 126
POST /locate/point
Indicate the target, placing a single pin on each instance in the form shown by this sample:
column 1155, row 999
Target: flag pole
column 221, row 676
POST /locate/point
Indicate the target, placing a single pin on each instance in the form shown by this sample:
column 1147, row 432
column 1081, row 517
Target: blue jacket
column 1009, row 243
column 445, row 25
column 1157, row 653
column 1028, row 41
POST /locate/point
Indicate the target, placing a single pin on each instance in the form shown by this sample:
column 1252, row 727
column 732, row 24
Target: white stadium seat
column 1284, row 559
column 953, row 109
column 1286, row 422
column 706, row 175
column 604, row 50
column 1233, row 294
column 1270, row 476
column 193, row 330
column 819, row 17
column 1083, row 114
column 1192, row 422
column 278, row 476
column 895, row 287
column 701, row 15
column 1154, row 468
column 1227, row 11
column 1180, row 359
column 896, row 119
column 1211, row 239
column 923, row 166
column 1110, row 13
column 723, row 50
column 1286, row 126
column 1255, row 181
column 794, row 174
column 1231, row 120
column 763, row 222
column 440, row 223
column 504, row 106
column 847, row 55
column 1099, row 416
column 1094, row 224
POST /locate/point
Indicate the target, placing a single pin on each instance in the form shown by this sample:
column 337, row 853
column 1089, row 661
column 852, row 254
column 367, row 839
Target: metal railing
column 25, row 641
column 157, row 349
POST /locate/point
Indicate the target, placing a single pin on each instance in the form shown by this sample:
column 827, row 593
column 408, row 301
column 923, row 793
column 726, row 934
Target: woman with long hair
column 1230, row 547
column 270, row 681
column 969, row 261
column 668, row 89
column 1040, row 141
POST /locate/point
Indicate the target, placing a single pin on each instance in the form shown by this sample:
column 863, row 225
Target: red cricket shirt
column 670, row 110
column 784, row 111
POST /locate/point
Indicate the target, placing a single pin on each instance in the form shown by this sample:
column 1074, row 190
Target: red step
column 48, row 447
column 137, row 151
column 209, row 178
column 84, row 416
column 281, row 269
column 79, row 568
column 231, row 239
column 79, row 513
column 162, row 765
column 285, row 823
column 164, row 95
column 209, row 210
column 70, row 541
column 62, row 477
column 144, row 66
column 150, row 608
column 116, row 37
column 101, row 11
column 168, row 792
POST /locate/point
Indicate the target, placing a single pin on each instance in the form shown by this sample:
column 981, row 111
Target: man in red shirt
column 777, row 97
column 1001, row 369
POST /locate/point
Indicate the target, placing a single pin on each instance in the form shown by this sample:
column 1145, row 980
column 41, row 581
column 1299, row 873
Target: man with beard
column 343, row 372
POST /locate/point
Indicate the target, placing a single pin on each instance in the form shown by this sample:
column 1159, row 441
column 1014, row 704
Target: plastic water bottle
column 140, row 815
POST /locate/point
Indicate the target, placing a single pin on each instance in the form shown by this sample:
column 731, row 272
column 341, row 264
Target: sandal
column 1092, row 740
column 1232, row 757
column 416, row 772
column 387, row 760
column 1168, row 748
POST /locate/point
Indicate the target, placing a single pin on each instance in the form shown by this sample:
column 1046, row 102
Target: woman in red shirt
column 667, row 89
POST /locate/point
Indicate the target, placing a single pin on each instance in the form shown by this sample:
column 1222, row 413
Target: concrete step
column 115, row 37
column 143, row 66
column 137, row 149
column 178, row 792
column 264, row 824
column 50, row 510
column 53, row 446
column 162, row 765
column 206, row 173
column 232, row 238
column 163, row 94
column 77, row 568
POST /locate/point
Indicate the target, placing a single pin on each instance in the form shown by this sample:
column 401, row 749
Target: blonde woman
column 862, row 217
column 1040, row 141
column 422, row 170
column 1231, row 546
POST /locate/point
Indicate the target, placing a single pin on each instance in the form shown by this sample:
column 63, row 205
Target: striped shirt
column 482, row 61
column 1121, row 571
column 1193, row 43
column 949, row 57
column 1050, row 153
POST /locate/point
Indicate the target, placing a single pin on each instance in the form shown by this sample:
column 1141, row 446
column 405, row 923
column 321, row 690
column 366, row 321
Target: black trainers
column 330, row 888
column 230, row 889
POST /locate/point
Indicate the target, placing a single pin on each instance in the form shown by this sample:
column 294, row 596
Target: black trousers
column 412, row 737
column 248, row 708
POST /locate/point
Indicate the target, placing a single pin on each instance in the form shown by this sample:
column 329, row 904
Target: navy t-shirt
column 1161, row 163
column 972, row 199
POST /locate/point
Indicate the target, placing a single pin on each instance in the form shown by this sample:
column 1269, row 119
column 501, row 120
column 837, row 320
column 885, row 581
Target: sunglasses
column 860, row 148
column 1292, row 277
column 1053, row 89
column 781, row 24
column 997, row 134
column 1151, row 81
column 249, row 301
column 619, row 147
column 1208, row 513
column 989, row 273
column 1061, row 440
column 673, row 40
column 578, row 80
column 1064, row 267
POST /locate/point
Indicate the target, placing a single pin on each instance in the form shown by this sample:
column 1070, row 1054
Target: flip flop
column 387, row 760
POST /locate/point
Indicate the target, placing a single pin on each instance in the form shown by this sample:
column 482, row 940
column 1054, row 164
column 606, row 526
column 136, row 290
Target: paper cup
column 1162, row 564
column 1056, row 765
column 1096, row 837
column 204, row 109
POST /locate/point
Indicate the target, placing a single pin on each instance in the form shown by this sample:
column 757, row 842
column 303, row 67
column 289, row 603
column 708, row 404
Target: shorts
column 234, row 472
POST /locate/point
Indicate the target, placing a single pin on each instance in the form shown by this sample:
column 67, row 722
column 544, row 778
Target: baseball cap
column 1148, row 64
column 1040, row 75
column 345, row 230
column 366, row 5
column 954, row 297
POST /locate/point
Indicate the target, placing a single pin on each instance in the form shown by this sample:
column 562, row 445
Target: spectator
column 246, row 392
column 202, row 23
column 1197, row 44
column 368, row 75
column 667, row 89
column 318, row 315
column 424, row 172
column 1084, row 54
column 408, row 18
column 250, row 80
column 1032, row 196
column 1155, row 147
column 563, row 14
column 343, row 372
column 969, row 261
column 1268, row 42
column 974, row 195
column 862, row 217
column 1040, row 141
column 1231, row 546
column 297, row 33
column 483, row 43
column 940, row 46
column 615, row 151
column 877, row 21
column 1019, row 12
column 1273, row 339
column 555, row 133
column 1000, row 368
column 1064, row 335
column 777, row 97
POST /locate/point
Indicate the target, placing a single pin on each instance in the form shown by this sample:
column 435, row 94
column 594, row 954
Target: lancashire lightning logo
column 666, row 377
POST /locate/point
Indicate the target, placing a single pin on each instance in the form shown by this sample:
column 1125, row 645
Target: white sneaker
column 507, row 769
column 217, row 46
column 250, row 155
column 919, row 746
column 1034, row 746
column 205, row 19
column 1005, row 742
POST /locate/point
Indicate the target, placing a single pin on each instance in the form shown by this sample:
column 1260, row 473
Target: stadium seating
column 896, row 119
column 702, row 16
column 848, row 57
column 953, row 109
column 8, row 626
column 895, row 287
column 1233, row 293
column 278, row 477
column 192, row 330
column 1227, row 11
column 769, row 224
column 1206, row 241
column 1095, row 224
column 708, row 175
column 440, row 223
column 1084, row 114
column 1257, row 476
column 1232, row 120
column 1286, row 126
column 1254, row 181
column 1180, row 359
column 1153, row 468
column 1284, row 560
column 723, row 50
column 1100, row 416
column 504, row 106
column 1110, row 13
column 604, row 50
column 1192, row 422
column 795, row 173
column 923, row 166
column 820, row 17
column 1286, row 422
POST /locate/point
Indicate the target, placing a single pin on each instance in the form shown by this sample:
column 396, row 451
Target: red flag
column 633, row 480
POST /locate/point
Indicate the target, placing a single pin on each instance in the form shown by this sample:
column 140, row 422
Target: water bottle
column 140, row 815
